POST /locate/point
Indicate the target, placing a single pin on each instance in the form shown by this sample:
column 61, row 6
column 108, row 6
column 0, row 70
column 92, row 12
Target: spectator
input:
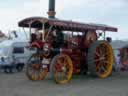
column 118, row 65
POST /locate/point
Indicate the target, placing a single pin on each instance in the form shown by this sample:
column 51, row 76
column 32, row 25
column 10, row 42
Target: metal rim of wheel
column 100, row 59
column 34, row 69
column 62, row 69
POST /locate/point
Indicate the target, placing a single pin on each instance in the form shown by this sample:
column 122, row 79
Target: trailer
column 13, row 55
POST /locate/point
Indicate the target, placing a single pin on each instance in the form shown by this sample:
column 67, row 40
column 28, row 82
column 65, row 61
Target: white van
column 13, row 55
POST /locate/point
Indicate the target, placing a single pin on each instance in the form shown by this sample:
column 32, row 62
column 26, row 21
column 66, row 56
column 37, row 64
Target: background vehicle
column 124, row 58
column 13, row 54
column 65, row 48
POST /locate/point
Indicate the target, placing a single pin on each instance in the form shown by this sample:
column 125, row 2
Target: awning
column 36, row 22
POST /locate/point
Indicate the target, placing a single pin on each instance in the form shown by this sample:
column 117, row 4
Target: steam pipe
column 51, row 10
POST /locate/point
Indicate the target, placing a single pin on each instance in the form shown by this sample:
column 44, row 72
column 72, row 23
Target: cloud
column 113, row 12
column 10, row 16
column 98, row 7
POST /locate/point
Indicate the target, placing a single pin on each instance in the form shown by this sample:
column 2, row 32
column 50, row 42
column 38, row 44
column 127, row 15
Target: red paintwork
column 74, row 52
column 37, row 44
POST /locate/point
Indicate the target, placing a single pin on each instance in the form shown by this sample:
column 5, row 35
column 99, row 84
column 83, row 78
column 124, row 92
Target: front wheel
column 8, row 69
column 19, row 67
column 100, row 59
column 61, row 69
column 35, row 70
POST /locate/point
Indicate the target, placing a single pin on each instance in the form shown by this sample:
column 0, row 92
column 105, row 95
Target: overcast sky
column 110, row 12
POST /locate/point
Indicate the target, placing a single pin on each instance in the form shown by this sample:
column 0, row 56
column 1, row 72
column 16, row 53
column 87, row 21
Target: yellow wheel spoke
column 104, row 60
column 36, row 72
column 65, row 73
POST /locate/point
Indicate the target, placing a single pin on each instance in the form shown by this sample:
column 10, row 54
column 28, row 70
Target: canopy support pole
column 104, row 33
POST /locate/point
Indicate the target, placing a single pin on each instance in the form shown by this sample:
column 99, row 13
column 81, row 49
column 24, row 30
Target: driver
column 38, row 34
column 58, row 38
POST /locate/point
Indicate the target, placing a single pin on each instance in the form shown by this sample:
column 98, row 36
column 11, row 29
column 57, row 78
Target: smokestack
column 51, row 10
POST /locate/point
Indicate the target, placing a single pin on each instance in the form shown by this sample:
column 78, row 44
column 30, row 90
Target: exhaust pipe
column 51, row 11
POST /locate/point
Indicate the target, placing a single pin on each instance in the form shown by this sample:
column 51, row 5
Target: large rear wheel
column 100, row 59
column 61, row 68
column 35, row 70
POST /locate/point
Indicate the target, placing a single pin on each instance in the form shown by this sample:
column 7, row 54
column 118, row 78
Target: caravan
column 13, row 55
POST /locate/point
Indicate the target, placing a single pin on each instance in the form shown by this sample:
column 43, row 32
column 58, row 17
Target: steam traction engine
column 65, row 48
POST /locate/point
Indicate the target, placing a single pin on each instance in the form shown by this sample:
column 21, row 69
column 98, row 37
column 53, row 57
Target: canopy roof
column 36, row 22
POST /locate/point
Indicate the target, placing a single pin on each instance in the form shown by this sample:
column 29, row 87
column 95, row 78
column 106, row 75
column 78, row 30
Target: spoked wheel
column 35, row 70
column 100, row 59
column 61, row 69
column 19, row 67
column 8, row 69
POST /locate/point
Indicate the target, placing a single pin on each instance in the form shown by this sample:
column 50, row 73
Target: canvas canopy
column 37, row 22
